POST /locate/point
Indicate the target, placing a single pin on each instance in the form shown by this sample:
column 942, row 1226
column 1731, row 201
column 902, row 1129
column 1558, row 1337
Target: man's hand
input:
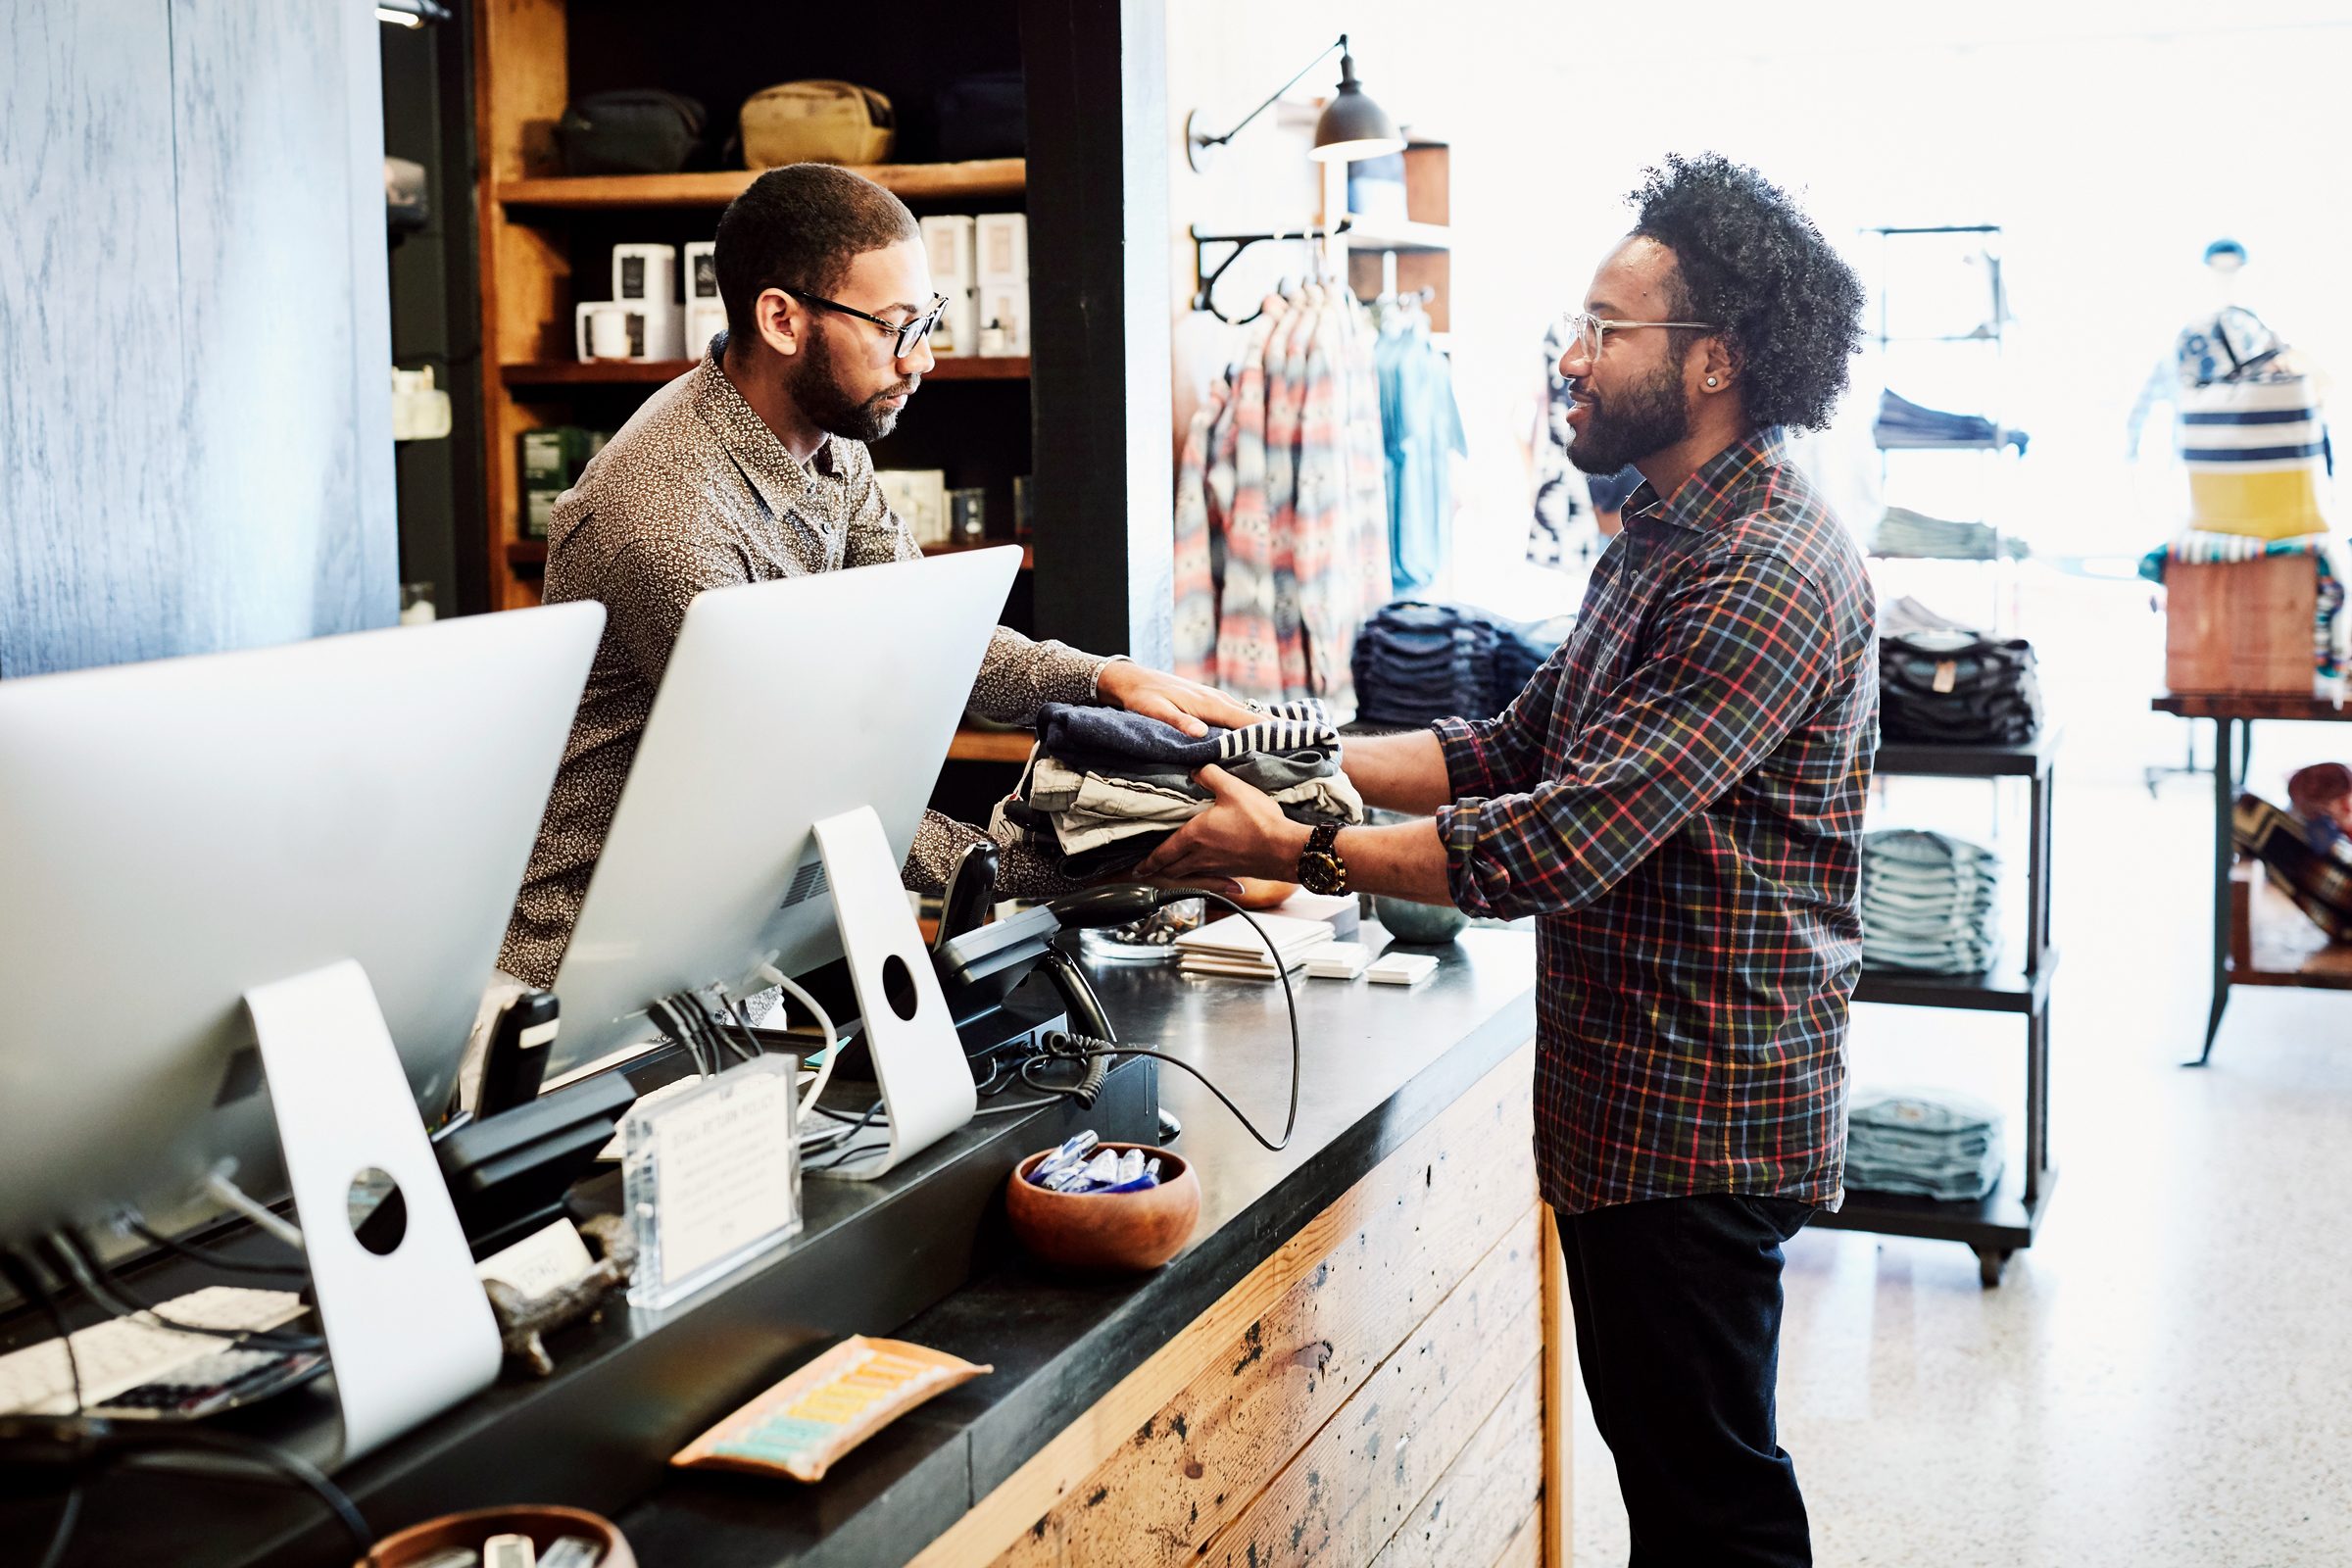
column 1186, row 705
column 1244, row 834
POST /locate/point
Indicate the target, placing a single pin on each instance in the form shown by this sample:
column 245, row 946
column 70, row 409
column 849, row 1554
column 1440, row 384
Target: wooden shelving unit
column 990, row 746
column 1098, row 217
column 656, row 372
column 529, row 556
column 1413, row 251
column 990, row 177
column 538, row 227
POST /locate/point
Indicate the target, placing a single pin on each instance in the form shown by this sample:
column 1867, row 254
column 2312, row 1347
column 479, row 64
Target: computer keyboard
column 121, row 1354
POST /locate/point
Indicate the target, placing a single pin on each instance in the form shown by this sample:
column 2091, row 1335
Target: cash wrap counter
column 1360, row 1357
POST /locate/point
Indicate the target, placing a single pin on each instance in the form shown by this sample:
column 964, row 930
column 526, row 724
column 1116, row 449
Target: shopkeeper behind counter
column 1677, row 796
column 753, row 466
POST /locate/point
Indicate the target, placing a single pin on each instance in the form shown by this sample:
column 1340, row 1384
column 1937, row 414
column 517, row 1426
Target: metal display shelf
column 1995, row 1226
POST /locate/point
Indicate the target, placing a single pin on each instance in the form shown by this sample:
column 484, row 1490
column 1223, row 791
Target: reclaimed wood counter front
column 1362, row 1358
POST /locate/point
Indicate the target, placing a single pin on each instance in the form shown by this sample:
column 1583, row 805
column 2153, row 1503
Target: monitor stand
column 408, row 1332
column 927, row 1089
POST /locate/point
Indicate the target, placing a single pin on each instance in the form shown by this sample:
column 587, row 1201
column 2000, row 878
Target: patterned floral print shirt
column 695, row 492
column 1677, row 796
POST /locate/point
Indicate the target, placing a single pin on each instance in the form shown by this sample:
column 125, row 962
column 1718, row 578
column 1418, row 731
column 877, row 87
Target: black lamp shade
column 1352, row 127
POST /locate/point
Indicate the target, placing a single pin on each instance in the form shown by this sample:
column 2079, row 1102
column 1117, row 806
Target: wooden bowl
column 1106, row 1233
column 545, row 1525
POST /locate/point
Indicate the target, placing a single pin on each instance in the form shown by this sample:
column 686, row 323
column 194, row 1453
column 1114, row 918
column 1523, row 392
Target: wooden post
column 1560, row 1402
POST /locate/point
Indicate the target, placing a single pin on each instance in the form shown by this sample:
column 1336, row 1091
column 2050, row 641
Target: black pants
column 1677, row 1330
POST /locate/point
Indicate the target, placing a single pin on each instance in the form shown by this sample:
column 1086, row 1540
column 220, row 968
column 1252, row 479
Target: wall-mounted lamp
column 1351, row 128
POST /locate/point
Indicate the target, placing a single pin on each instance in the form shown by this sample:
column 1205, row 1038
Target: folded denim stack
column 1945, row 683
column 1417, row 661
column 1909, row 534
column 1105, row 787
column 1930, row 902
column 1941, row 1145
column 1902, row 422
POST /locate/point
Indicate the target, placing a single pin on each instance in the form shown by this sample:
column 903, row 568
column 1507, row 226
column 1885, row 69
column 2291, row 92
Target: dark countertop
column 1379, row 1063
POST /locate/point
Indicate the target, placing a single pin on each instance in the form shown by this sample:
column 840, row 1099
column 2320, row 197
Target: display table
column 1351, row 1350
column 2257, row 938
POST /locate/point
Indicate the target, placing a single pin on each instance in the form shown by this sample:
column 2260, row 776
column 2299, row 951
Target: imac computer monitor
column 173, row 834
column 783, row 704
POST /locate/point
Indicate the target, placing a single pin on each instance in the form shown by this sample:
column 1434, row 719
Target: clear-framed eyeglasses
column 1587, row 332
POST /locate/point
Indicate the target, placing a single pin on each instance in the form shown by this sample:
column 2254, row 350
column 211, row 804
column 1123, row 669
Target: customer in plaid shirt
column 1677, row 797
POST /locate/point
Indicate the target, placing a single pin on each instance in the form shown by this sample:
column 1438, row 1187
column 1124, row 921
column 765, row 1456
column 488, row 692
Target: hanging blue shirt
column 1421, row 426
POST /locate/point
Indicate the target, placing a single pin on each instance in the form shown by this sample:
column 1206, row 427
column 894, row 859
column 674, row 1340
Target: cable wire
column 142, row 1445
column 208, row 1257
column 825, row 1020
column 82, row 1262
column 26, row 1278
column 1104, row 1049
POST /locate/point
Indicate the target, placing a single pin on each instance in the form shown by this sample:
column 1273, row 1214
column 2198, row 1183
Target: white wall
column 2111, row 141
column 195, row 416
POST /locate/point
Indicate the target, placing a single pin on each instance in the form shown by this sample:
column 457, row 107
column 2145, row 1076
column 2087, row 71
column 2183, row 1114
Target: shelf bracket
column 1203, row 297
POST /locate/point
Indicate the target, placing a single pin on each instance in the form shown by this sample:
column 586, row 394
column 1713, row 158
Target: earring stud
column 1710, row 380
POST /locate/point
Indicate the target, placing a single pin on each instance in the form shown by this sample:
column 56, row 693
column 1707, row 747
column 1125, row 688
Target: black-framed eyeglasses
column 904, row 336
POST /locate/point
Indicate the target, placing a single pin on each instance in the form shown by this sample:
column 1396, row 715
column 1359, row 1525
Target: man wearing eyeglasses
column 753, row 466
column 1676, row 798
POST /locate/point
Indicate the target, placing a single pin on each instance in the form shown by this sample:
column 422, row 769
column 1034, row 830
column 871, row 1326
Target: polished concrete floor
column 2165, row 1377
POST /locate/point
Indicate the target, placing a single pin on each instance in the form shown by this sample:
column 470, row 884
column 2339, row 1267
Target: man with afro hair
column 1676, row 798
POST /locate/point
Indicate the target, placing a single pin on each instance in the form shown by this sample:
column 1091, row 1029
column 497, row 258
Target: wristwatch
column 1320, row 869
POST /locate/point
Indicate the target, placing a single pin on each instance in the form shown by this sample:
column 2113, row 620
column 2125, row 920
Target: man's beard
column 812, row 387
column 1648, row 417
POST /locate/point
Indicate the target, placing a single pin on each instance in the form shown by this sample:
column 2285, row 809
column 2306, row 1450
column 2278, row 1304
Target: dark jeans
column 1677, row 1330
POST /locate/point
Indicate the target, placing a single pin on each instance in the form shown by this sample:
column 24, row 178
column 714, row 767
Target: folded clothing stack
column 2318, row 876
column 1902, row 422
column 1417, row 661
column 1906, row 533
column 1941, row 1145
column 1948, row 684
column 1104, row 788
column 1930, row 902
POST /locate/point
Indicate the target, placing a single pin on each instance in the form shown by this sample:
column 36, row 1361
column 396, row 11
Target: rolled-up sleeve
column 1739, row 654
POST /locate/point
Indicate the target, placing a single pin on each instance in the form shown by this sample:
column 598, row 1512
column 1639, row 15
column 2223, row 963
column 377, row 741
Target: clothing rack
column 1203, row 297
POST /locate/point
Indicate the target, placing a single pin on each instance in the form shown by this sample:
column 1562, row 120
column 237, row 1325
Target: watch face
column 1319, row 871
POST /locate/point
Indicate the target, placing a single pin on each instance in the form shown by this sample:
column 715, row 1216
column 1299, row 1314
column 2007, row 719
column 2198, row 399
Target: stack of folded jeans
column 1903, row 533
column 1945, row 683
column 1930, row 902
column 1417, row 661
column 1104, row 788
column 1902, row 422
column 1941, row 1145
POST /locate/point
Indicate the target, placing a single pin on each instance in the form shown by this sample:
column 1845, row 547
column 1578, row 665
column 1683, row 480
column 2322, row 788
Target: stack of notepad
column 1231, row 947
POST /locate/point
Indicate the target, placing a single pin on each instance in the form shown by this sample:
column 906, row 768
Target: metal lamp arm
column 1272, row 98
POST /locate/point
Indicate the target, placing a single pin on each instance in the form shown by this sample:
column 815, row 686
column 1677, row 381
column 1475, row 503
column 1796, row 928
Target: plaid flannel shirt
column 1677, row 796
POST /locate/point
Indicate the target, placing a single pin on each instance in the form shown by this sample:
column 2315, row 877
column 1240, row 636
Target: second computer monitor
column 782, row 703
